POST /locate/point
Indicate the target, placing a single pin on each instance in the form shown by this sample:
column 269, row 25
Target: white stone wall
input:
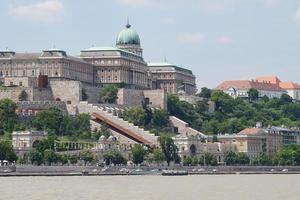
column 68, row 91
column 92, row 92
column 294, row 93
column 130, row 97
column 14, row 92
column 157, row 98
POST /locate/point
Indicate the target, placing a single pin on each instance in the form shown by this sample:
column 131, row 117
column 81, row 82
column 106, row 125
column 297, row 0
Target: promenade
column 29, row 170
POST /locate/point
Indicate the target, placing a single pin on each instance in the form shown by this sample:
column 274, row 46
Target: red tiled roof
column 289, row 85
column 246, row 85
column 268, row 79
column 252, row 131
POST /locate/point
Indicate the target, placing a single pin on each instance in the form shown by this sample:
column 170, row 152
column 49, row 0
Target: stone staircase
column 112, row 115
column 184, row 128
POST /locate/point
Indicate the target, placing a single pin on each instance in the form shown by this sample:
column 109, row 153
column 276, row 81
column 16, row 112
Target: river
column 203, row 187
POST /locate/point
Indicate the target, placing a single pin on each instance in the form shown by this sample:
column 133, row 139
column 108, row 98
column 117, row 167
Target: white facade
column 243, row 93
column 23, row 141
column 195, row 146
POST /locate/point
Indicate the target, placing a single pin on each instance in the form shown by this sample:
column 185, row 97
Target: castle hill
column 150, row 99
column 108, row 107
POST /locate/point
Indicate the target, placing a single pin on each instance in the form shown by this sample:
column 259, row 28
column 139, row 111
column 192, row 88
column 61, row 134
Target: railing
column 124, row 131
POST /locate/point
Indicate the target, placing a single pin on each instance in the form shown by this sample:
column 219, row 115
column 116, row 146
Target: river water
column 204, row 187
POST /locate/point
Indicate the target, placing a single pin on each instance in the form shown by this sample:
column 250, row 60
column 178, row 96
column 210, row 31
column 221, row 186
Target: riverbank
column 29, row 170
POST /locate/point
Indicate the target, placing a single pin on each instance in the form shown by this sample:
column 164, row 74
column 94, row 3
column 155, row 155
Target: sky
column 217, row 39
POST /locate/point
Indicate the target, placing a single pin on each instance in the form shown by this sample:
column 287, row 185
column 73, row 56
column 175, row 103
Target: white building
column 23, row 141
column 194, row 145
column 270, row 86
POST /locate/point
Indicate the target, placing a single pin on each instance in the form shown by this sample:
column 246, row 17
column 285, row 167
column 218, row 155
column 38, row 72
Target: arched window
column 193, row 150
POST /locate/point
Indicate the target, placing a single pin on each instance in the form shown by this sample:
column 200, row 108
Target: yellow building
column 254, row 141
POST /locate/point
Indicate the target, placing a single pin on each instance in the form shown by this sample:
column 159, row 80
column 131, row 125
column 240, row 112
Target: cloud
column 168, row 21
column 297, row 16
column 226, row 40
column 191, row 38
column 45, row 11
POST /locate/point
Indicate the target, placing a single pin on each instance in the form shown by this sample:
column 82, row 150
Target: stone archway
column 35, row 143
column 193, row 150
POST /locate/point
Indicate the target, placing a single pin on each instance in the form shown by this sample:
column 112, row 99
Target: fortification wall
column 130, row 97
column 14, row 92
column 67, row 91
column 40, row 105
column 42, row 94
column 157, row 98
column 92, row 92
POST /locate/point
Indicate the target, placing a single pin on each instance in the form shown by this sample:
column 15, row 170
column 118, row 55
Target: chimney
column 258, row 125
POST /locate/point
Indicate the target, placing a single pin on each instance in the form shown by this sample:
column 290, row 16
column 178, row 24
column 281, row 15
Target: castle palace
column 97, row 66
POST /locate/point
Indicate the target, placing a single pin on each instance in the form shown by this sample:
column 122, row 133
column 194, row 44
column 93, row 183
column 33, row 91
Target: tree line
column 234, row 114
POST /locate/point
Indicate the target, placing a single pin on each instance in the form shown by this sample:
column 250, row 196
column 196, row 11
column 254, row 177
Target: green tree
column 7, row 115
column 86, row 156
column 253, row 94
column 208, row 159
column 35, row 157
column 73, row 159
column 50, row 156
column 50, row 120
column 44, row 144
column 23, row 96
column 288, row 155
column 138, row 154
column 115, row 158
column 63, row 159
column 104, row 130
column 242, row 159
column 158, row 156
column 292, row 111
column 135, row 115
column 205, row 93
column 286, row 99
column 263, row 160
column 160, row 118
column 109, row 93
column 230, row 158
column 187, row 161
column 6, row 151
column 83, row 122
column 169, row 149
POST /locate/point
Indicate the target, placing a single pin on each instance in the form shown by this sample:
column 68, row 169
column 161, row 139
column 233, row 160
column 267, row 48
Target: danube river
column 203, row 187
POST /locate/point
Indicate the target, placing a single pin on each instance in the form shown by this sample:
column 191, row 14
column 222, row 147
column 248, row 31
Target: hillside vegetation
column 234, row 114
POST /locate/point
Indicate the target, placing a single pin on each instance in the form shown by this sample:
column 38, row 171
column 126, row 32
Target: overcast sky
column 217, row 39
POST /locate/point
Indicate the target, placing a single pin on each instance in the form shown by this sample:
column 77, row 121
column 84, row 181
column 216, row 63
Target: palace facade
column 122, row 64
column 54, row 63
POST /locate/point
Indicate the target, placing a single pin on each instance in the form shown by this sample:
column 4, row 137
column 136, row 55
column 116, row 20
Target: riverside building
column 257, row 140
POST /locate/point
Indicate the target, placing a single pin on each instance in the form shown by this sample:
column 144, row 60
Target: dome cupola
column 128, row 36
column 129, row 40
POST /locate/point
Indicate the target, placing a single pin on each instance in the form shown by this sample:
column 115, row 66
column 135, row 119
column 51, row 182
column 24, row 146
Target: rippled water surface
column 217, row 187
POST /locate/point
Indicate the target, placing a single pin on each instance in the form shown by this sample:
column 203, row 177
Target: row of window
column 109, row 62
column 6, row 73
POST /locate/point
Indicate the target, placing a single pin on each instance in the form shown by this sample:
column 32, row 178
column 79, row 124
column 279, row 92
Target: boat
column 174, row 173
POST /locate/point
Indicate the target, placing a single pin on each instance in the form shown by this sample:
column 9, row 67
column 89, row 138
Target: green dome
column 128, row 36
